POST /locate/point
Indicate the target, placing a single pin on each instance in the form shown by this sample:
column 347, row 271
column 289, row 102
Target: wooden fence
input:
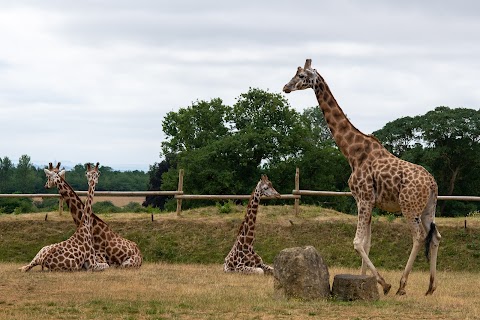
column 179, row 195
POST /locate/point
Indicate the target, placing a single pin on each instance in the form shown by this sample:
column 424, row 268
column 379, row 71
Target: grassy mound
column 206, row 236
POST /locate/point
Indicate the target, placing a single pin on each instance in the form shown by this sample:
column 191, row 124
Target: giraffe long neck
column 247, row 229
column 74, row 203
column 353, row 144
column 88, row 211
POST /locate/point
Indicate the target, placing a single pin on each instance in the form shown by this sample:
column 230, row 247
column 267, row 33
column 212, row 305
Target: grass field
column 173, row 285
column 179, row 291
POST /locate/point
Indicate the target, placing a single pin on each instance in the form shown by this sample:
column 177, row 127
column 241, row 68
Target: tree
column 6, row 175
column 195, row 126
column 259, row 131
column 265, row 135
column 25, row 175
column 155, row 183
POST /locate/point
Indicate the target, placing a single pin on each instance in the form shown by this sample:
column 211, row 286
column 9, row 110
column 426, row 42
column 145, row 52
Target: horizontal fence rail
column 335, row 193
column 296, row 194
column 97, row 193
column 230, row 197
column 179, row 195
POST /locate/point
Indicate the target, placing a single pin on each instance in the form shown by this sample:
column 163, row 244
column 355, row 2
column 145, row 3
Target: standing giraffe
column 109, row 246
column 242, row 257
column 76, row 252
column 378, row 179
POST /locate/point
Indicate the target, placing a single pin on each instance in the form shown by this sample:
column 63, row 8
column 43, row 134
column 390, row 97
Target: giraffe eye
column 301, row 76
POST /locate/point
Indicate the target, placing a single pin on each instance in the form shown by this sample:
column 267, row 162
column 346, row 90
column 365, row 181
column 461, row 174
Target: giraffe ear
column 48, row 172
column 308, row 64
column 62, row 173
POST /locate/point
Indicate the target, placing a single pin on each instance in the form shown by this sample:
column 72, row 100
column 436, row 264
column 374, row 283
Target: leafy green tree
column 155, row 183
column 6, row 175
column 265, row 135
column 195, row 126
column 25, row 175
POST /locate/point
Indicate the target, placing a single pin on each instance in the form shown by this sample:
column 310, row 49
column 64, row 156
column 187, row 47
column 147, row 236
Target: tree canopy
column 224, row 149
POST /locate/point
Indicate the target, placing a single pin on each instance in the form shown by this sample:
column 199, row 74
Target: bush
column 47, row 204
column 17, row 205
column 105, row 207
column 226, row 207
column 134, row 207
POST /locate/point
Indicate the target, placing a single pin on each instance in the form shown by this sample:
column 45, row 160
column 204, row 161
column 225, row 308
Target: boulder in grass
column 300, row 272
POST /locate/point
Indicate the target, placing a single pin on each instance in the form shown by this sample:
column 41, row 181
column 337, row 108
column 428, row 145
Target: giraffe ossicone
column 379, row 179
column 242, row 257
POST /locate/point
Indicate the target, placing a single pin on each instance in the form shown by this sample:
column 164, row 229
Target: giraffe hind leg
column 433, row 244
column 132, row 262
column 38, row 259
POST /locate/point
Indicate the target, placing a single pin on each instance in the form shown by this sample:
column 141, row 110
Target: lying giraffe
column 378, row 179
column 242, row 257
column 76, row 252
column 109, row 246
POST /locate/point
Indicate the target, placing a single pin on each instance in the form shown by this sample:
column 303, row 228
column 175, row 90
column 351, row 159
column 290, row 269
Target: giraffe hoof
column 386, row 288
column 401, row 292
column 430, row 291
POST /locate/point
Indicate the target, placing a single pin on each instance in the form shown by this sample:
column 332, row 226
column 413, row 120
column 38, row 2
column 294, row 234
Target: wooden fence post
column 180, row 188
column 297, row 188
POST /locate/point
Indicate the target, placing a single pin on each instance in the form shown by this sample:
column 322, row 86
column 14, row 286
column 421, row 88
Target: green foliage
column 105, row 207
column 26, row 178
column 16, row 205
column 261, row 133
column 225, row 207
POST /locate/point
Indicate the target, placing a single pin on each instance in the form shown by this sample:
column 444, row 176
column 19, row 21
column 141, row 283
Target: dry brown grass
column 166, row 291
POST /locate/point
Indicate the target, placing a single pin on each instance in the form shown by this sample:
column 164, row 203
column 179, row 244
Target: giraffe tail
column 428, row 239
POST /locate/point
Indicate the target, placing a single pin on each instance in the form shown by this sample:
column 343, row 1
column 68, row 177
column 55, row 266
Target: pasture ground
column 173, row 285
column 193, row 291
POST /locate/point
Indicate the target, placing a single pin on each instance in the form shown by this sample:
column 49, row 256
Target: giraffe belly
column 390, row 206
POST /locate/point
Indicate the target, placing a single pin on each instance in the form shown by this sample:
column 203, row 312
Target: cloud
column 107, row 72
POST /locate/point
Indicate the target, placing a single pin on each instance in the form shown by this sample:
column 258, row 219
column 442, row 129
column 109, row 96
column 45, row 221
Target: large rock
column 301, row 273
column 349, row 287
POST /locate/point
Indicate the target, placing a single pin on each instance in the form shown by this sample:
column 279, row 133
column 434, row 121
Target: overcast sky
column 87, row 81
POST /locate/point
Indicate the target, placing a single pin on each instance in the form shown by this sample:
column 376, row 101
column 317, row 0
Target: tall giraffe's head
column 92, row 174
column 54, row 175
column 305, row 78
column 266, row 188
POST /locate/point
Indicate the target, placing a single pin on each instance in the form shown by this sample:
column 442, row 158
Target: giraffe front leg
column 366, row 246
column 267, row 270
column 242, row 268
column 364, row 220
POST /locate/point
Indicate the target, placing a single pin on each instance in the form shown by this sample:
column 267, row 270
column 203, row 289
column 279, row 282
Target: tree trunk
column 451, row 187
